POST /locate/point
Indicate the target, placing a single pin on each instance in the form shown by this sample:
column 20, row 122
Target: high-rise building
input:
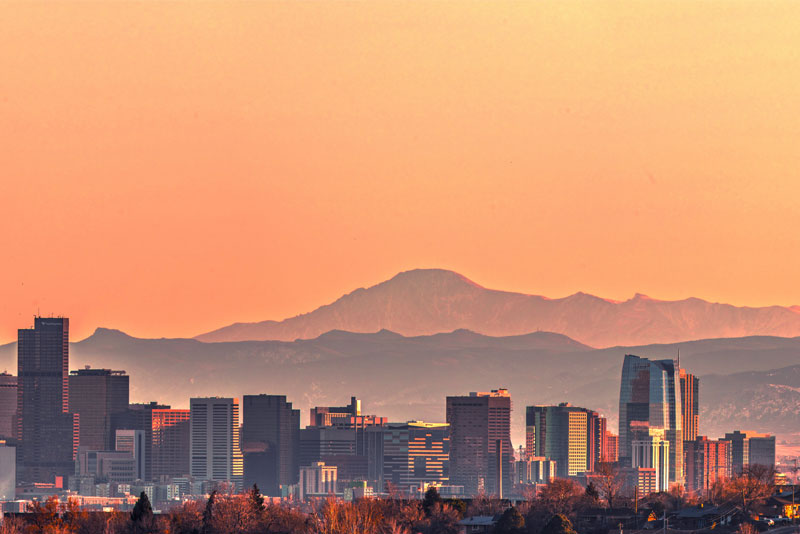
column 595, row 439
column 690, row 405
column 214, row 440
column 270, row 442
column 139, row 416
column 612, row 447
column 97, row 395
column 652, row 451
column 170, row 443
column 742, row 453
column 133, row 442
column 707, row 461
column 408, row 456
column 47, row 431
column 650, row 393
column 480, row 442
column 8, row 406
column 562, row 433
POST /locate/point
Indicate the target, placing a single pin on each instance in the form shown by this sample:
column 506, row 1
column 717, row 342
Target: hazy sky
column 170, row 168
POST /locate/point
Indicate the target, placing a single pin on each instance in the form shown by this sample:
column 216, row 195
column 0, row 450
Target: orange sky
column 170, row 168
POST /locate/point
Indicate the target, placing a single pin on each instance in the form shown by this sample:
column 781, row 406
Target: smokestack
column 499, row 448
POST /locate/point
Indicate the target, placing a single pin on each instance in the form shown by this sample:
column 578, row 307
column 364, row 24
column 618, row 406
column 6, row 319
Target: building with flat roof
column 133, row 442
column 690, row 405
column 743, row 453
column 564, row 434
column 97, row 395
column 707, row 461
column 47, row 431
column 270, row 442
column 170, row 443
column 481, row 452
column 408, row 456
column 214, row 440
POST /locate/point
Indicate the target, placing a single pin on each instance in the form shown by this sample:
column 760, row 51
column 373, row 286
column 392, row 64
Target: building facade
column 412, row 455
column 690, row 405
column 47, row 431
column 650, row 393
column 317, row 479
column 169, row 443
column 480, row 442
column 707, row 461
column 270, row 443
column 97, row 396
column 214, row 440
column 563, row 434
column 133, row 442
column 652, row 451
column 8, row 407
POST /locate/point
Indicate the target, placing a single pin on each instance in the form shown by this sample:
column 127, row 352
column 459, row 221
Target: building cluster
column 77, row 432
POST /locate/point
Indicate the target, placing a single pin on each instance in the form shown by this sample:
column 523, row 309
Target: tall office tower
column 170, row 444
column 652, row 451
column 690, row 405
column 270, row 442
column 8, row 406
column 706, row 462
column 562, row 433
column 479, row 422
column 139, row 416
column 742, row 453
column 612, row 447
column 410, row 455
column 595, row 439
column 97, row 395
column 132, row 441
column 325, row 415
column 650, row 393
column 214, row 440
column 46, row 430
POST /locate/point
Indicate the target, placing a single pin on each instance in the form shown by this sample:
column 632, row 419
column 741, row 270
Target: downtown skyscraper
column 47, row 432
column 480, row 442
column 214, row 440
column 98, row 396
column 650, row 395
column 270, row 443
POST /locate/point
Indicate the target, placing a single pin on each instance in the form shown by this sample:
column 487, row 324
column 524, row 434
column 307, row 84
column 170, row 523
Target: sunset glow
column 167, row 169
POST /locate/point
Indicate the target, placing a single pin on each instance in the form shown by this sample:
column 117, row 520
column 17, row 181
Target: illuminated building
column 214, row 440
column 170, row 443
column 650, row 393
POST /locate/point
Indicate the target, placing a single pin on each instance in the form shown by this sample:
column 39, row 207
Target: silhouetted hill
column 428, row 301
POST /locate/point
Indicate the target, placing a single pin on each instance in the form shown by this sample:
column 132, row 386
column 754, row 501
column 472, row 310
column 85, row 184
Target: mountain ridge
column 429, row 301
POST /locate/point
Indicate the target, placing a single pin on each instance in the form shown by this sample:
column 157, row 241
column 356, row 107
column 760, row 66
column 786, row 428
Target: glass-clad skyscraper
column 650, row 394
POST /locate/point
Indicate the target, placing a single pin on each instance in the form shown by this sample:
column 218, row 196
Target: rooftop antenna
column 679, row 359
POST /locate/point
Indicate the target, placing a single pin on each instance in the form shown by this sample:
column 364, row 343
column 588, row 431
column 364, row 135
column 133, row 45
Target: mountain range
column 429, row 301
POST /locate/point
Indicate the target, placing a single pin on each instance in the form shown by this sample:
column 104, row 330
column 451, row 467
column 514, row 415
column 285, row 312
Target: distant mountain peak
column 423, row 302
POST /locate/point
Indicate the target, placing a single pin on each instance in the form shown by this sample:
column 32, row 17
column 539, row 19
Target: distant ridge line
column 430, row 301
